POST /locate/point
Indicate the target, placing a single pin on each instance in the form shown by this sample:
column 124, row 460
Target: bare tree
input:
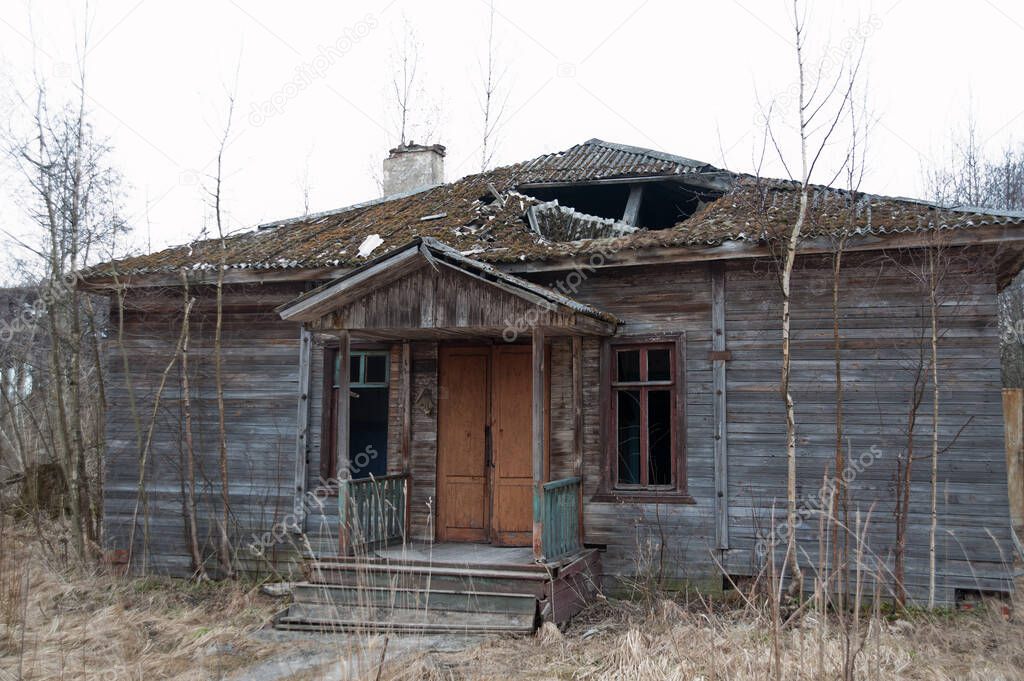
column 224, row 544
column 971, row 179
column 839, row 504
column 820, row 106
column 71, row 195
column 404, row 84
column 493, row 96
column 417, row 114
column 189, row 475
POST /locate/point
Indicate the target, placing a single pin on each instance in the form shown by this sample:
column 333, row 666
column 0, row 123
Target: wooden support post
column 721, row 449
column 537, row 440
column 406, row 402
column 577, row 421
column 343, row 472
column 632, row 212
column 1013, row 413
column 302, row 428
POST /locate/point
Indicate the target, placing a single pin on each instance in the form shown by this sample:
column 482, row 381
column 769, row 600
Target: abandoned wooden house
column 557, row 376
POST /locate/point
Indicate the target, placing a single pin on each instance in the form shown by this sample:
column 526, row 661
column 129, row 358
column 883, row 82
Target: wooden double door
column 484, row 455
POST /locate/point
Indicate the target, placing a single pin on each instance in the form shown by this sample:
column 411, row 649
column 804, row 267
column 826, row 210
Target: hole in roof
column 663, row 204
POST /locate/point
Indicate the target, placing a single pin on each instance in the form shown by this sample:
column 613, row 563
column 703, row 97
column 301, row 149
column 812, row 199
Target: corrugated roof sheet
column 466, row 216
column 599, row 160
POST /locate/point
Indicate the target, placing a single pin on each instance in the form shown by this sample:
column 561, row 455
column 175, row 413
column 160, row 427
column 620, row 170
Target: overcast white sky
column 683, row 77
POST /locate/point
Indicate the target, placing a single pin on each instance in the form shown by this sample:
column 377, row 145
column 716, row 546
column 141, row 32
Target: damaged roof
column 485, row 216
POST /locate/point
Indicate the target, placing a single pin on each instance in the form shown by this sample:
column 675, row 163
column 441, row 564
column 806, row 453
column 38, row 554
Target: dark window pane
column 376, row 369
column 659, row 437
column 353, row 368
column 629, row 365
column 368, row 434
column 628, row 428
column 659, row 365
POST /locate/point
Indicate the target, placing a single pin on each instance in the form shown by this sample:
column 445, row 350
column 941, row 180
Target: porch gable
column 426, row 290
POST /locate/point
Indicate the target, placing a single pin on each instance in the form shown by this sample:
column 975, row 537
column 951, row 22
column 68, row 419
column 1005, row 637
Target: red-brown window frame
column 676, row 492
column 329, row 413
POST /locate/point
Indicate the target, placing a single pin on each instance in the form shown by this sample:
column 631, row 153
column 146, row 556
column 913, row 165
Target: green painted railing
column 372, row 511
column 561, row 534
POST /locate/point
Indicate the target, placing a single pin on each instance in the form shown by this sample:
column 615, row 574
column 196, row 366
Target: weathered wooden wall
column 885, row 338
column 260, row 370
column 884, row 332
column 883, row 329
column 643, row 540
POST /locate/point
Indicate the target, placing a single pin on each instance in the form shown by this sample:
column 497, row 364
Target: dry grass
column 98, row 626
column 622, row 641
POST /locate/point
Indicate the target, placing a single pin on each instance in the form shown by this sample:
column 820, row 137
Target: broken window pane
column 628, row 427
column 376, row 369
column 659, row 437
column 368, row 434
column 629, row 366
column 659, row 365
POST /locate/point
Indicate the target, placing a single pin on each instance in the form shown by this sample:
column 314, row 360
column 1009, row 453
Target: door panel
column 462, row 409
column 512, row 474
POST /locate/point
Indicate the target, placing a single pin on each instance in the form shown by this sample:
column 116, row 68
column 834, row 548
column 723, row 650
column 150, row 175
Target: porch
column 471, row 496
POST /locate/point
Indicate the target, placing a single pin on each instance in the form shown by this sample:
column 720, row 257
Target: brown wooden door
column 511, row 474
column 462, row 414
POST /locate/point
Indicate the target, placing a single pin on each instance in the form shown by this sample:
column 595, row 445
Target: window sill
column 631, row 497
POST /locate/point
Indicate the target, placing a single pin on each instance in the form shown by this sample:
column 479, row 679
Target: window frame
column 329, row 426
column 611, row 489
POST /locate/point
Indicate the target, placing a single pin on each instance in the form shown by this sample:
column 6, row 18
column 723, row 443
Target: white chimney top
column 411, row 167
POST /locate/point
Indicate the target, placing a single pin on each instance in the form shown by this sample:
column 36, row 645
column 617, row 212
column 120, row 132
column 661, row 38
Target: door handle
column 488, row 448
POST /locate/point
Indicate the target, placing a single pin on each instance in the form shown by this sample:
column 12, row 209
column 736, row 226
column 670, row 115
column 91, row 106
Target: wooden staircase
column 384, row 593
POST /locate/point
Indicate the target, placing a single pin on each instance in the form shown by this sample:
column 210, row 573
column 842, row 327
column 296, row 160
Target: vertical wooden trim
column 1013, row 414
column 607, row 428
column 577, row 406
column 328, row 429
column 405, row 400
column 302, row 427
column 719, row 406
column 342, row 471
column 679, row 425
column 537, row 439
column 577, row 425
column 405, row 368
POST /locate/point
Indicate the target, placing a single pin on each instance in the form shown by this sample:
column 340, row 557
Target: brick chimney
column 410, row 167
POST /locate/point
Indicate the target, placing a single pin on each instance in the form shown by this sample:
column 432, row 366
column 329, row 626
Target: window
column 368, row 413
column 646, row 426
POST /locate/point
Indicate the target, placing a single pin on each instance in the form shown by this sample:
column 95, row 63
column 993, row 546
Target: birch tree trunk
column 192, row 529
column 933, row 306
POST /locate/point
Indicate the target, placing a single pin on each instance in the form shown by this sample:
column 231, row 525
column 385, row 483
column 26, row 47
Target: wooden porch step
column 418, row 598
column 307, row 617
column 373, row 559
column 436, row 577
column 397, row 567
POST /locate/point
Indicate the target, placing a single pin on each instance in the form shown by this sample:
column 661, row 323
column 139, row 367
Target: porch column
column 341, row 466
column 537, row 440
column 302, row 428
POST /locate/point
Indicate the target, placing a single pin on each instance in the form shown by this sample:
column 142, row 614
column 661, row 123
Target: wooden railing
column 561, row 534
column 372, row 511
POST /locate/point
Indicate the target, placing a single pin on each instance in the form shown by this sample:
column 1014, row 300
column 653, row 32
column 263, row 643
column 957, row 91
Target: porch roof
column 426, row 289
